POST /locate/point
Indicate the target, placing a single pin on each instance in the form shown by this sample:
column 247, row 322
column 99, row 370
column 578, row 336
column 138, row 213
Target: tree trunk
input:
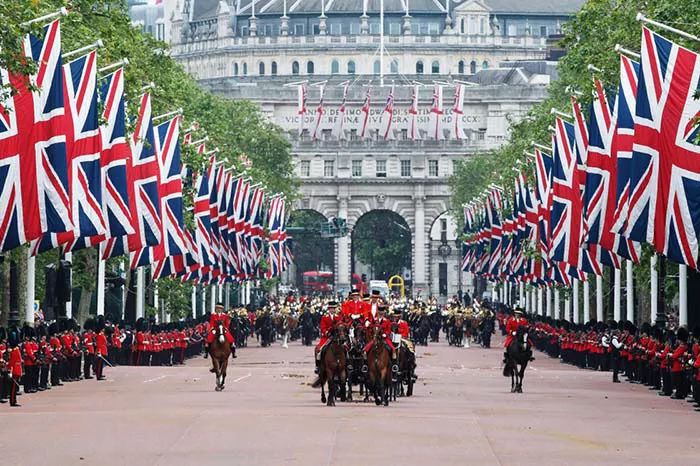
column 5, row 290
column 83, row 306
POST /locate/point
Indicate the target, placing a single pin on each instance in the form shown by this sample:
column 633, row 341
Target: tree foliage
column 382, row 240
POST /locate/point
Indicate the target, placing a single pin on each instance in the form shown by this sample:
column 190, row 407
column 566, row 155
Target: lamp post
column 458, row 249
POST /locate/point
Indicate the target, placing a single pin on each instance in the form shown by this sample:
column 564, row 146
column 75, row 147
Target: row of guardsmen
column 49, row 355
column 664, row 360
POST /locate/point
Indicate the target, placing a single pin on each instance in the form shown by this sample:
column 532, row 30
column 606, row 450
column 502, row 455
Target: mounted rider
column 219, row 317
column 385, row 325
column 513, row 323
column 402, row 330
column 354, row 307
column 327, row 325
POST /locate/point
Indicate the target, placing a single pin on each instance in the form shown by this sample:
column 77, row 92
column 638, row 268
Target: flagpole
column 212, row 298
column 100, row 284
column 643, row 19
column 586, row 301
column 381, row 42
column 194, row 301
column 654, row 285
column 599, row 298
column 549, row 301
column 617, row 292
column 629, row 287
column 557, row 308
column 203, row 299
column 69, row 304
column 113, row 66
column 540, row 301
column 566, row 315
column 682, row 294
column 31, row 288
column 156, row 304
column 61, row 12
column 140, row 292
column 575, row 291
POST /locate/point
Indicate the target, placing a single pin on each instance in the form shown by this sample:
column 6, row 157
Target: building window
column 472, row 67
column 354, row 29
column 394, row 66
column 512, row 30
column 310, row 67
column 455, row 166
column 485, row 65
column 295, row 67
column 160, row 31
column 316, row 29
column 374, row 28
column 482, row 26
column 244, row 31
column 543, row 31
column 305, row 168
column 273, row 68
column 460, row 67
column 461, row 26
column 351, row 67
column 435, row 67
column 394, row 29
column 381, row 168
column 419, row 67
column 353, row 135
column 432, row 168
column 328, row 168
column 335, row 67
column 245, row 69
column 443, row 229
column 442, row 278
column 261, row 69
column 377, row 67
column 336, row 29
column 433, row 29
column 405, row 168
column 268, row 30
column 357, row 168
column 235, row 69
column 298, row 29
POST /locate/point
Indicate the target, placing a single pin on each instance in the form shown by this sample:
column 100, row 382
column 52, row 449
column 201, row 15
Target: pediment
column 472, row 6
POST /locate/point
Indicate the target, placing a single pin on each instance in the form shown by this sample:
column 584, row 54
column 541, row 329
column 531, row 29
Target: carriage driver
column 216, row 318
column 403, row 330
column 327, row 324
column 513, row 323
column 385, row 324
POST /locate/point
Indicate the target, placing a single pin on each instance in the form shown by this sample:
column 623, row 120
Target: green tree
column 382, row 240
column 311, row 252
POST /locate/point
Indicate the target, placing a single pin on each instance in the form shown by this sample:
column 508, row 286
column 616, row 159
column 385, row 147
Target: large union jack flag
column 33, row 168
column 666, row 164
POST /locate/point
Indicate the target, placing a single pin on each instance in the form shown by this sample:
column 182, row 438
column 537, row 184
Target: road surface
column 462, row 413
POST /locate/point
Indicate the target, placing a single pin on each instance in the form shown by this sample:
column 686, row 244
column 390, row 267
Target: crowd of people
column 664, row 360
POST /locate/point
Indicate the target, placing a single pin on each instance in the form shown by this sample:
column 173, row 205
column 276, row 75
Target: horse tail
column 318, row 382
column 507, row 370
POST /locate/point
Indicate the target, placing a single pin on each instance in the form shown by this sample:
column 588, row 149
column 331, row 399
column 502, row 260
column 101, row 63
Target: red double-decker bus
column 322, row 282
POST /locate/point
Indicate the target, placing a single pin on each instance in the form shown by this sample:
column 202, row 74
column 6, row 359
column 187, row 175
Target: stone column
column 419, row 273
column 342, row 263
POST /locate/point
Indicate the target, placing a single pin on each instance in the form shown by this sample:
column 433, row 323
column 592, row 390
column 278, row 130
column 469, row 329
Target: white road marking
column 242, row 377
column 155, row 379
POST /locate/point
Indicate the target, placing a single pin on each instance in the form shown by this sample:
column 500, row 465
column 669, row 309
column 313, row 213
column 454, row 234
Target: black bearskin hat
column 682, row 334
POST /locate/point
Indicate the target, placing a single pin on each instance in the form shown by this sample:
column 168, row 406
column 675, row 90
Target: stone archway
column 381, row 244
column 311, row 253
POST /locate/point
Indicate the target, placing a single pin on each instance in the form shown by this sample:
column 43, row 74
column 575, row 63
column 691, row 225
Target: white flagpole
column 599, row 298
column 69, row 304
column 100, row 284
column 156, row 304
column 140, row 292
column 549, row 301
column 31, row 288
column 540, row 301
column 654, row 286
column 204, row 299
column 194, row 301
column 567, row 308
column 557, row 307
column 630, row 291
column 575, row 292
column 381, row 42
column 212, row 298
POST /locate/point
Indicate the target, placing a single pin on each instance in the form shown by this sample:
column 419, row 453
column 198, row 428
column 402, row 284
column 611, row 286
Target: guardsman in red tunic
column 30, row 359
column 89, row 348
column 326, row 327
column 384, row 324
column 14, row 364
column 371, row 308
column 219, row 317
column 5, row 380
column 676, row 358
column 100, row 353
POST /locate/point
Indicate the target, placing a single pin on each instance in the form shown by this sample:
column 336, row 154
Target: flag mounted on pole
column 458, row 113
column 301, row 106
column 413, row 133
column 339, row 127
column 436, row 112
column 386, row 130
column 365, row 113
column 319, row 114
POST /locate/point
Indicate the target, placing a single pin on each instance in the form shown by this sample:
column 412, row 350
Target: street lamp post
column 458, row 250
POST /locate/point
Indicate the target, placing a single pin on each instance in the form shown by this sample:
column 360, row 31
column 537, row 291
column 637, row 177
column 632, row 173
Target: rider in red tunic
column 385, row 324
column 354, row 306
column 326, row 327
column 512, row 325
column 219, row 317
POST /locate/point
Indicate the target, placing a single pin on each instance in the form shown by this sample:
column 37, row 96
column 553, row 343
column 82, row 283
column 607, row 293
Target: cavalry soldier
column 403, row 330
column 513, row 323
column 375, row 300
column 354, row 308
column 219, row 317
column 327, row 325
column 385, row 325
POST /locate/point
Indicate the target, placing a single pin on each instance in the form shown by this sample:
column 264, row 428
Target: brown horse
column 285, row 325
column 219, row 350
column 332, row 369
column 379, row 365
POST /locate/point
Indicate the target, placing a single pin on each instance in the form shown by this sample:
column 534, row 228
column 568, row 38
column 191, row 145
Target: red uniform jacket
column 512, row 325
column 101, row 343
column 403, row 329
column 15, row 363
column 216, row 317
column 351, row 308
column 30, row 349
column 676, row 358
column 89, row 342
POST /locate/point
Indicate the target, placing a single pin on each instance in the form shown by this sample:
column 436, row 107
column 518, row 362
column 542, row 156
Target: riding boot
column 206, row 351
column 233, row 352
column 505, row 356
column 316, row 368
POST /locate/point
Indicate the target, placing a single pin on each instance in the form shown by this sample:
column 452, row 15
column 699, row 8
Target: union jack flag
column 365, row 111
column 436, row 113
column 388, row 116
column 623, row 140
column 320, row 111
column 34, row 195
column 666, row 159
column 600, row 194
column 277, row 248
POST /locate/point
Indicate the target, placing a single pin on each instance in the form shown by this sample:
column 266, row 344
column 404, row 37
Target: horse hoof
column 323, row 399
column 218, row 389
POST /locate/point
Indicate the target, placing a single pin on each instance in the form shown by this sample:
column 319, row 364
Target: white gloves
column 367, row 323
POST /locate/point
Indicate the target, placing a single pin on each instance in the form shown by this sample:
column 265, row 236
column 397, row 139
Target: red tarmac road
column 462, row 413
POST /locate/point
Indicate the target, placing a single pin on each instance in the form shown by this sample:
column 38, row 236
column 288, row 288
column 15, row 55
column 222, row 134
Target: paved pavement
column 462, row 413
